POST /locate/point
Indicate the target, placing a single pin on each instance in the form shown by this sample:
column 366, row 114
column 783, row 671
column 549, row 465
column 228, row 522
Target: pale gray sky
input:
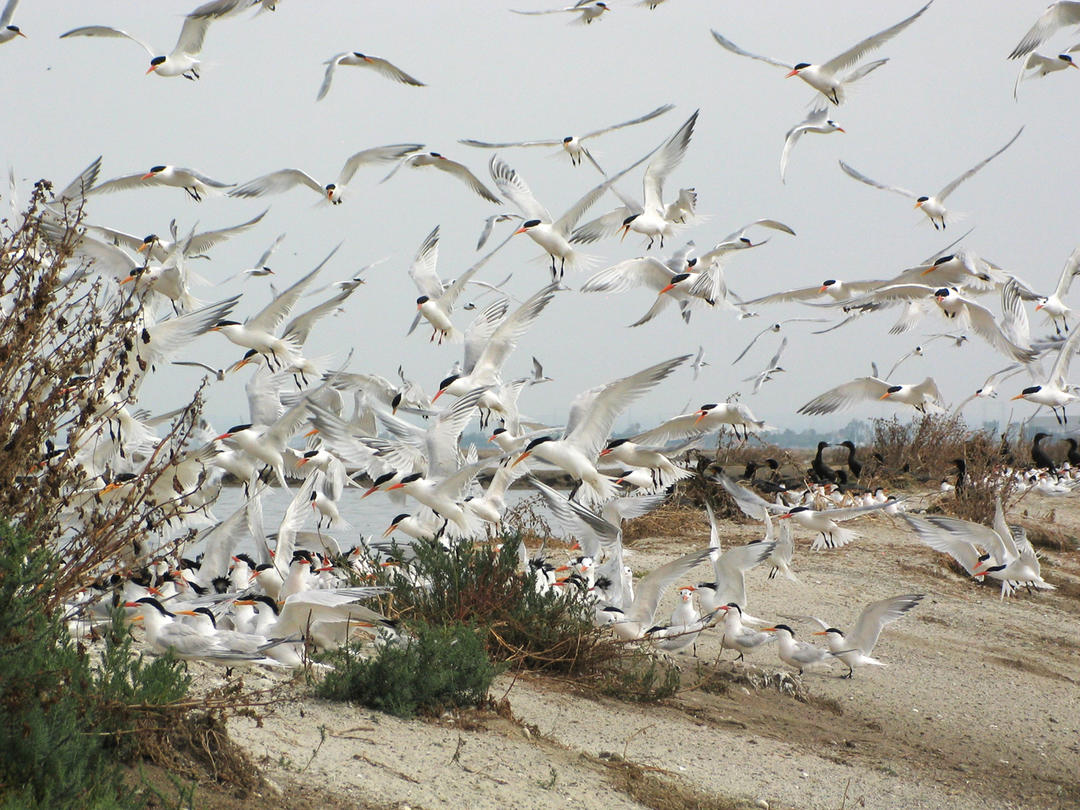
column 943, row 102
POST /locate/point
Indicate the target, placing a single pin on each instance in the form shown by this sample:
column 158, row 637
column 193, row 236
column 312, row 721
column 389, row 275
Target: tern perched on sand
column 854, row 648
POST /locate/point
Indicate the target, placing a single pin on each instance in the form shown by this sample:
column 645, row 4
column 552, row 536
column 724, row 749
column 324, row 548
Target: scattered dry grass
column 670, row 520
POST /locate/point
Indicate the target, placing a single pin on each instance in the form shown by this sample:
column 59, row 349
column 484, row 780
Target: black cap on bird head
column 535, row 442
column 238, row 428
column 382, row 479
column 498, row 430
column 157, row 61
column 408, row 479
column 1032, row 389
column 892, row 389
column 568, row 138
column 922, row 199
column 532, row 223
column 220, row 324
column 448, row 381
column 398, row 518
column 615, row 443
column 423, row 299
column 944, row 259
column 630, row 219
column 675, row 279
column 801, row 65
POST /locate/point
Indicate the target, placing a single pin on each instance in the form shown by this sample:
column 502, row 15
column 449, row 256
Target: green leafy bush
column 485, row 587
column 439, row 668
column 65, row 723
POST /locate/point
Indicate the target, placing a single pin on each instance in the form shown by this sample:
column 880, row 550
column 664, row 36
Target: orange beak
column 438, row 394
column 793, row 72
column 918, row 204
column 302, row 462
column 311, row 432
column 398, row 485
column 519, row 230
column 521, row 458
column 841, row 129
column 150, row 70
column 821, row 633
column 132, row 278
column 389, row 531
column 782, row 517
column 886, row 395
column 668, row 287
column 145, row 245
column 1039, row 306
column 1018, row 396
column 701, row 415
column 373, row 489
column 220, row 438
column 625, row 231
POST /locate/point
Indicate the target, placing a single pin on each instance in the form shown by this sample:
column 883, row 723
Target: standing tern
column 574, row 145
column 196, row 184
column 8, row 31
column 357, row 59
column 817, row 121
column 796, row 654
column 934, row 205
column 854, row 648
column 183, row 60
column 1057, row 15
column 825, row 77
column 285, row 179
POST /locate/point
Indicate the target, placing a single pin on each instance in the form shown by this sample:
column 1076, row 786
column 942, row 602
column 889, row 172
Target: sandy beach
column 976, row 707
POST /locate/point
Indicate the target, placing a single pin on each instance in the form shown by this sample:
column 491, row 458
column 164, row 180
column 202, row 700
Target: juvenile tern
column 934, row 205
column 825, row 77
column 285, row 179
column 574, row 145
column 357, row 59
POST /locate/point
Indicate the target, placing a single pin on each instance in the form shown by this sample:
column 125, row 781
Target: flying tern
column 826, row 78
column 183, row 60
column 451, row 167
column 8, row 31
column 196, row 184
column 574, row 145
column 934, row 205
column 649, row 217
column 817, row 121
column 357, row 59
column 285, row 179
column 1036, row 66
column 826, row 523
column 592, row 414
column 1057, row 15
column 551, row 235
column 1056, row 392
column 923, row 396
column 587, row 9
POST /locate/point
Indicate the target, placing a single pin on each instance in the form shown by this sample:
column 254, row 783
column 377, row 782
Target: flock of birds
column 229, row 605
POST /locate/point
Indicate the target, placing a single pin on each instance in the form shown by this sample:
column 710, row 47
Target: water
column 367, row 516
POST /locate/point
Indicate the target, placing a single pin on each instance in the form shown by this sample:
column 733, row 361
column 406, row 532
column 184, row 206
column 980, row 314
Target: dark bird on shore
column 1039, row 456
column 853, row 464
column 823, row 474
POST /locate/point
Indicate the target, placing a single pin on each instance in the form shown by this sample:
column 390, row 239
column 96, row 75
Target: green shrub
column 438, row 668
column 65, row 723
column 484, row 587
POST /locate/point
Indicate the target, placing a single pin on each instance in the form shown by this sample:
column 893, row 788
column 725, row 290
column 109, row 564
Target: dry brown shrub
column 670, row 520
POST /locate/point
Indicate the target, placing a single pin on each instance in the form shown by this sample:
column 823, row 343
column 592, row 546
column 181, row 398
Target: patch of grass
column 439, row 668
